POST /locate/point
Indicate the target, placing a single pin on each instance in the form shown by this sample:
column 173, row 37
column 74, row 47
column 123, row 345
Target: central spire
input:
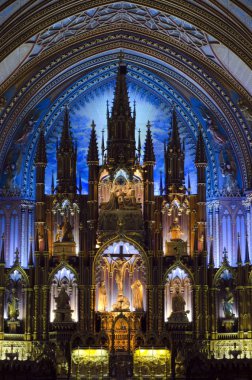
column 174, row 159
column 121, row 144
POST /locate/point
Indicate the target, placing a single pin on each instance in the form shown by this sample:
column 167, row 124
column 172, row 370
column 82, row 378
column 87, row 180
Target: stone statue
column 102, row 297
column 67, row 231
column 121, row 197
column 228, row 171
column 63, row 310
column 213, row 129
column 122, row 302
column 119, row 267
column 175, row 230
column 137, row 292
column 13, row 310
column 178, row 302
column 58, row 234
column 228, row 302
column 178, row 315
column 63, row 299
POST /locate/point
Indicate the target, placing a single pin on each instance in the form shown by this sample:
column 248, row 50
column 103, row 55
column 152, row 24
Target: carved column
column 45, row 311
column 28, row 298
column 217, row 234
column 36, row 313
column 23, row 250
column 160, row 308
column 212, row 312
column 82, row 308
column 197, row 311
column 149, row 294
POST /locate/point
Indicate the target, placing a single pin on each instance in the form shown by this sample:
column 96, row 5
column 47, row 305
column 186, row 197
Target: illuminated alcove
column 178, row 280
column 64, row 277
column 124, row 257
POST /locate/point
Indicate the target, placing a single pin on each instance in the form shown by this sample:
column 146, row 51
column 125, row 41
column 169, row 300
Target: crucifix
column 120, row 263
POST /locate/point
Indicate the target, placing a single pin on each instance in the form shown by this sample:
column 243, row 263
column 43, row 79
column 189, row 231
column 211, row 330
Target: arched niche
column 15, row 298
column 120, row 271
column 177, row 279
column 64, row 277
column 226, row 302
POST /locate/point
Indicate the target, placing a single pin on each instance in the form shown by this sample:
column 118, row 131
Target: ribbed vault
column 167, row 58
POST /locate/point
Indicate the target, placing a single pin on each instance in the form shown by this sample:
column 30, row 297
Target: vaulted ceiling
column 194, row 54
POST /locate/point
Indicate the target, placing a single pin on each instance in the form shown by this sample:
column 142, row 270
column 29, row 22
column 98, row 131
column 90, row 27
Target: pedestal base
column 63, row 315
column 12, row 326
column 64, row 248
column 228, row 324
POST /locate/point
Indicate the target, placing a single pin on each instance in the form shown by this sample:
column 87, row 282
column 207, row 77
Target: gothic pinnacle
column 40, row 157
column 211, row 256
column 200, row 159
column 30, row 261
column 93, row 155
column 239, row 258
column 149, row 155
column 247, row 260
column 66, row 138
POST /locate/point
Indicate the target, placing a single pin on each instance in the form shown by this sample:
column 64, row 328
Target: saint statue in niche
column 67, row 231
column 13, row 310
column 122, row 197
column 178, row 302
column 102, row 297
column 137, row 292
column 63, row 299
column 179, row 314
column 228, row 302
column 63, row 310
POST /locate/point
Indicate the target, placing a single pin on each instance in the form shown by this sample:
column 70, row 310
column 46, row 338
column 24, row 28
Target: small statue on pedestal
column 137, row 292
column 228, row 302
column 13, row 312
column 102, row 297
column 63, row 310
column 178, row 315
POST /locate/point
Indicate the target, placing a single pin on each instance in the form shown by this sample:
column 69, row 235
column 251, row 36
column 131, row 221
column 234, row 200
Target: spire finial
column 103, row 147
column 40, row 157
column 149, row 155
column 225, row 257
column 16, row 259
column 211, row 258
column 93, row 155
column 239, row 258
column 247, row 260
column 201, row 158
column 139, row 145
column 189, row 185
